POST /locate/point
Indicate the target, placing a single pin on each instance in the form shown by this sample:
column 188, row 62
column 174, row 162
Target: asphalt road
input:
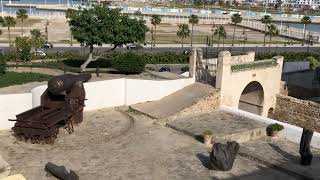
column 209, row 50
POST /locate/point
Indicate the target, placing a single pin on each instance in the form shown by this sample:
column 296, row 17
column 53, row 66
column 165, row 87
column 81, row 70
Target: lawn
column 14, row 78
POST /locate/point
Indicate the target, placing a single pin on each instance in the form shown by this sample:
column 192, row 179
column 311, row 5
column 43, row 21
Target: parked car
column 134, row 46
column 39, row 53
column 165, row 68
column 47, row 45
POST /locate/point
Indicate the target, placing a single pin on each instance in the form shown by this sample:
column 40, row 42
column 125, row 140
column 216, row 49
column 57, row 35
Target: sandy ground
column 58, row 32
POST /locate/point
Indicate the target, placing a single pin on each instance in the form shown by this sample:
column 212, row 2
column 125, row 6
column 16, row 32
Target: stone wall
column 305, row 114
column 206, row 105
column 249, row 57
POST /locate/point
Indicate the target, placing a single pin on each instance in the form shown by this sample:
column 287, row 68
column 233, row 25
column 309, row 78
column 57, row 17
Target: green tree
column 101, row 25
column 272, row 31
column 23, row 46
column 22, row 15
column 193, row 19
column 155, row 20
column 183, row 32
column 37, row 39
column 265, row 20
column 69, row 14
column 305, row 20
column 220, row 32
column 9, row 22
column 236, row 19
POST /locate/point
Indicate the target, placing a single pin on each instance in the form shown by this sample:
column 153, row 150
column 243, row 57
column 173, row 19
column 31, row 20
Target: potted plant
column 273, row 129
column 207, row 136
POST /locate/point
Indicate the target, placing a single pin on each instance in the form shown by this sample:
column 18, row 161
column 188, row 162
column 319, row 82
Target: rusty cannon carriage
column 62, row 104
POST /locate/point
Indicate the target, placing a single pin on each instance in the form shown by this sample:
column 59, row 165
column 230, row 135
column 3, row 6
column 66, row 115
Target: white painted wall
column 11, row 105
column 147, row 90
column 100, row 94
column 290, row 132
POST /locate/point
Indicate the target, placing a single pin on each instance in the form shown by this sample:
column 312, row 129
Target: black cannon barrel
column 60, row 172
column 63, row 83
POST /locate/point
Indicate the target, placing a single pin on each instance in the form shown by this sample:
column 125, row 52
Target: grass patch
column 14, row 78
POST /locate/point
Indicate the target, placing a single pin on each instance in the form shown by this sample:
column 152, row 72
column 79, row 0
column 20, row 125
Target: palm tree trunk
column 192, row 34
column 265, row 34
column 155, row 35
column 21, row 27
column 182, row 42
column 9, row 36
column 304, row 34
column 218, row 42
column 71, row 43
column 270, row 43
column 234, row 31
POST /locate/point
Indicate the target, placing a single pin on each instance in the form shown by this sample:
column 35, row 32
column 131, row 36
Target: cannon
column 62, row 104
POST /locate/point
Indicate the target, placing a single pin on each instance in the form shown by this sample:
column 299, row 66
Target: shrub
column 3, row 64
column 128, row 63
column 274, row 127
column 184, row 69
column 313, row 62
column 23, row 46
column 207, row 132
column 76, row 62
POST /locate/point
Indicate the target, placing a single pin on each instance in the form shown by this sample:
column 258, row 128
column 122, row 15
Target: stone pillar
column 200, row 71
column 223, row 78
column 192, row 62
column 223, row 68
column 251, row 55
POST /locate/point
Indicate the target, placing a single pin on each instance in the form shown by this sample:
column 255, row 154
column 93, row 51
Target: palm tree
column 236, row 19
column 193, row 19
column 220, row 32
column 272, row 31
column 69, row 14
column 22, row 15
column 37, row 39
column 155, row 20
column 9, row 22
column 305, row 20
column 265, row 20
column 183, row 32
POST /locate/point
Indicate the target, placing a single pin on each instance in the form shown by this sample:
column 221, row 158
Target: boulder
column 222, row 156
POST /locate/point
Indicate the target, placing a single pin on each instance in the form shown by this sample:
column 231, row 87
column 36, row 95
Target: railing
column 254, row 65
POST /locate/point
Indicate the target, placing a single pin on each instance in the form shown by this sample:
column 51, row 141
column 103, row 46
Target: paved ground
column 175, row 102
column 282, row 154
column 110, row 145
column 225, row 126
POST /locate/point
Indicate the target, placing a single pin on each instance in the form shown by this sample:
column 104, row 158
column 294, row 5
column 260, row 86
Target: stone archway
column 252, row 98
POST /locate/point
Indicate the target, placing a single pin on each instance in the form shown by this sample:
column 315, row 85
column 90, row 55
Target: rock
column 222, row 156
column 4, row 168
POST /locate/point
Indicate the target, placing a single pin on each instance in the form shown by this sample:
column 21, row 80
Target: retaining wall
column 100, row 94
column 298, row 112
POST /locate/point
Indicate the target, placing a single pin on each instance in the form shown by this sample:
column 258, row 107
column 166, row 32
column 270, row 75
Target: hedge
column 253, row 65
column 128, row 63
column 3, row 64
column 165, row 58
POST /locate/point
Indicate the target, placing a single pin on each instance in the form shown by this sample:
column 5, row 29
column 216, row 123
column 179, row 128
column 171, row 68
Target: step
column 175, row 102
column 224, row 126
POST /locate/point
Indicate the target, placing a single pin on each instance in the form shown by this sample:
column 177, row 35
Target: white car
column 39, row 53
